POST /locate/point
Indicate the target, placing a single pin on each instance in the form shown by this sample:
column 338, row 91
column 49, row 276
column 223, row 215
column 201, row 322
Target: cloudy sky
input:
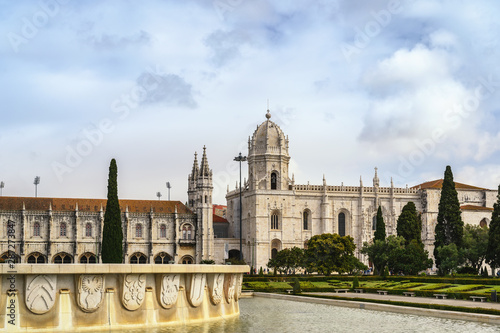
column 407, row 86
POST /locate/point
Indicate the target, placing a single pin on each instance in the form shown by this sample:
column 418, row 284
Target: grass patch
column 433, row 286
column 320, row 285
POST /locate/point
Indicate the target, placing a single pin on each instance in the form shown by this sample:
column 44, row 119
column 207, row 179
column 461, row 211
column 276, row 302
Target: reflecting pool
column 271, row 315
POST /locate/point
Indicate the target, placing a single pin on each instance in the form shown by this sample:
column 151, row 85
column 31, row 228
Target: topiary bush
column 296, row 286
column 355, row 283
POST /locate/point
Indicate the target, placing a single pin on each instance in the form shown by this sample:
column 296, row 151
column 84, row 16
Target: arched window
column 162, row 258
column 36, row 229
column 274, row 221
column 342, row 224
column 189, row 232
column 62, row 258
column 163, row 231
column 62, row 230
column 36, row 258
column 483, row 223
column 184, row 233
column 10, row 257
column 88, row 230
column 88, row 258
column 305, row 218
column 187, row 260
column 138, row 230
column 374, row 223
column 275, row 247
column 138, row 258
column 274, row 181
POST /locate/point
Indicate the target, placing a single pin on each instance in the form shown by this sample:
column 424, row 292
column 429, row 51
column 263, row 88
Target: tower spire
column 376, row 181
column 204, row 169
column 194, row 173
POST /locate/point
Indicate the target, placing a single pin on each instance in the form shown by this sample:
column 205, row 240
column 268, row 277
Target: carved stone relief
column 40, row 293
column 196, row 288
column 134, row 291
column 90, row 292
column 229, row 286
column 169, row 290
column 239, row 284
column 216, row 287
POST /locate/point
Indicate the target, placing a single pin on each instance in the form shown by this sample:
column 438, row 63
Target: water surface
column 271, row 315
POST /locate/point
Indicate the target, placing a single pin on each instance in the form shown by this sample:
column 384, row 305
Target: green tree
column 287, row 259
column 493, row 252
column 327, row 253
column 449, row 227
column 475, row 245
column 408, row 259
column 377, row 253
column 112, row 235
column 380, row 231
column 450, row 258
column 409, row 224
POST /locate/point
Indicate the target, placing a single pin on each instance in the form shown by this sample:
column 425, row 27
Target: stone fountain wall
column 71, row 297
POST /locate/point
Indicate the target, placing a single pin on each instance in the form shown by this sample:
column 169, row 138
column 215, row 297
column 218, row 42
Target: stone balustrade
column 52, row 297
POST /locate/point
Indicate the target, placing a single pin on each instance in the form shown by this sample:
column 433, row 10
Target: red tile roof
column 473, row 207
column 439, row 184
column 90, row 205
column 220, row 219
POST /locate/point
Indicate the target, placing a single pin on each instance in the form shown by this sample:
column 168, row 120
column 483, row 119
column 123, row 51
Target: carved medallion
column 90, row 292
column 196, row 288
column 40, row 293
column 134, row 291
column 216, row 287
column 229, row 286
column 169, row 290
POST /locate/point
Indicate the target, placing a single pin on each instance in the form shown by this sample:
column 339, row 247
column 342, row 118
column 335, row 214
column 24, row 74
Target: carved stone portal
column 40, row 293
column 169, row 290
column 216, row 287
column 229, row 286
column 196, row 288
column 134, row 291
column 90, row 292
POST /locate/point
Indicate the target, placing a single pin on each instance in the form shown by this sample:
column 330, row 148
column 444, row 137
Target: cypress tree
column 410, row 224
column 380, row 227
column 112, row 235
column 493, row 252
column 449, row 227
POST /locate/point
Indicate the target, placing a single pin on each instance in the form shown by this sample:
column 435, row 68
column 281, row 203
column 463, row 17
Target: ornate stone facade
column 278, row 214
column 58, row 230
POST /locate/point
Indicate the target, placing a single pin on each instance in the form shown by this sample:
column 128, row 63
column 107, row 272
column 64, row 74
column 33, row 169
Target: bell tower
column 200, row 188
column 268, row 157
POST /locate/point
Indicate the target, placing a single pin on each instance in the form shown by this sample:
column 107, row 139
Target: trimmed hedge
column 415, row 305
column 395, row 278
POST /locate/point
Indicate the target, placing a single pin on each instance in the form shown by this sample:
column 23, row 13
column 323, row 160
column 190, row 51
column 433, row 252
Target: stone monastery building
column 276, row 214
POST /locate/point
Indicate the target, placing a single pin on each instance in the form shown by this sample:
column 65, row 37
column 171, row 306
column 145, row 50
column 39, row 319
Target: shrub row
column 421, row 279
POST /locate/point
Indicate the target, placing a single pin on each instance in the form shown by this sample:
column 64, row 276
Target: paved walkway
column 424, row 300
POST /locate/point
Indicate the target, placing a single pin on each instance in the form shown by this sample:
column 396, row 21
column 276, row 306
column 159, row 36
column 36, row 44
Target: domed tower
column 268, row 157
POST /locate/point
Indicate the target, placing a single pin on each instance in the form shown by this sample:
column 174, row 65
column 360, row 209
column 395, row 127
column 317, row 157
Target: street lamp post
column 2, row 185
column 158, row 194
column 240, row 159
column 168, row 187
column 36, row 182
